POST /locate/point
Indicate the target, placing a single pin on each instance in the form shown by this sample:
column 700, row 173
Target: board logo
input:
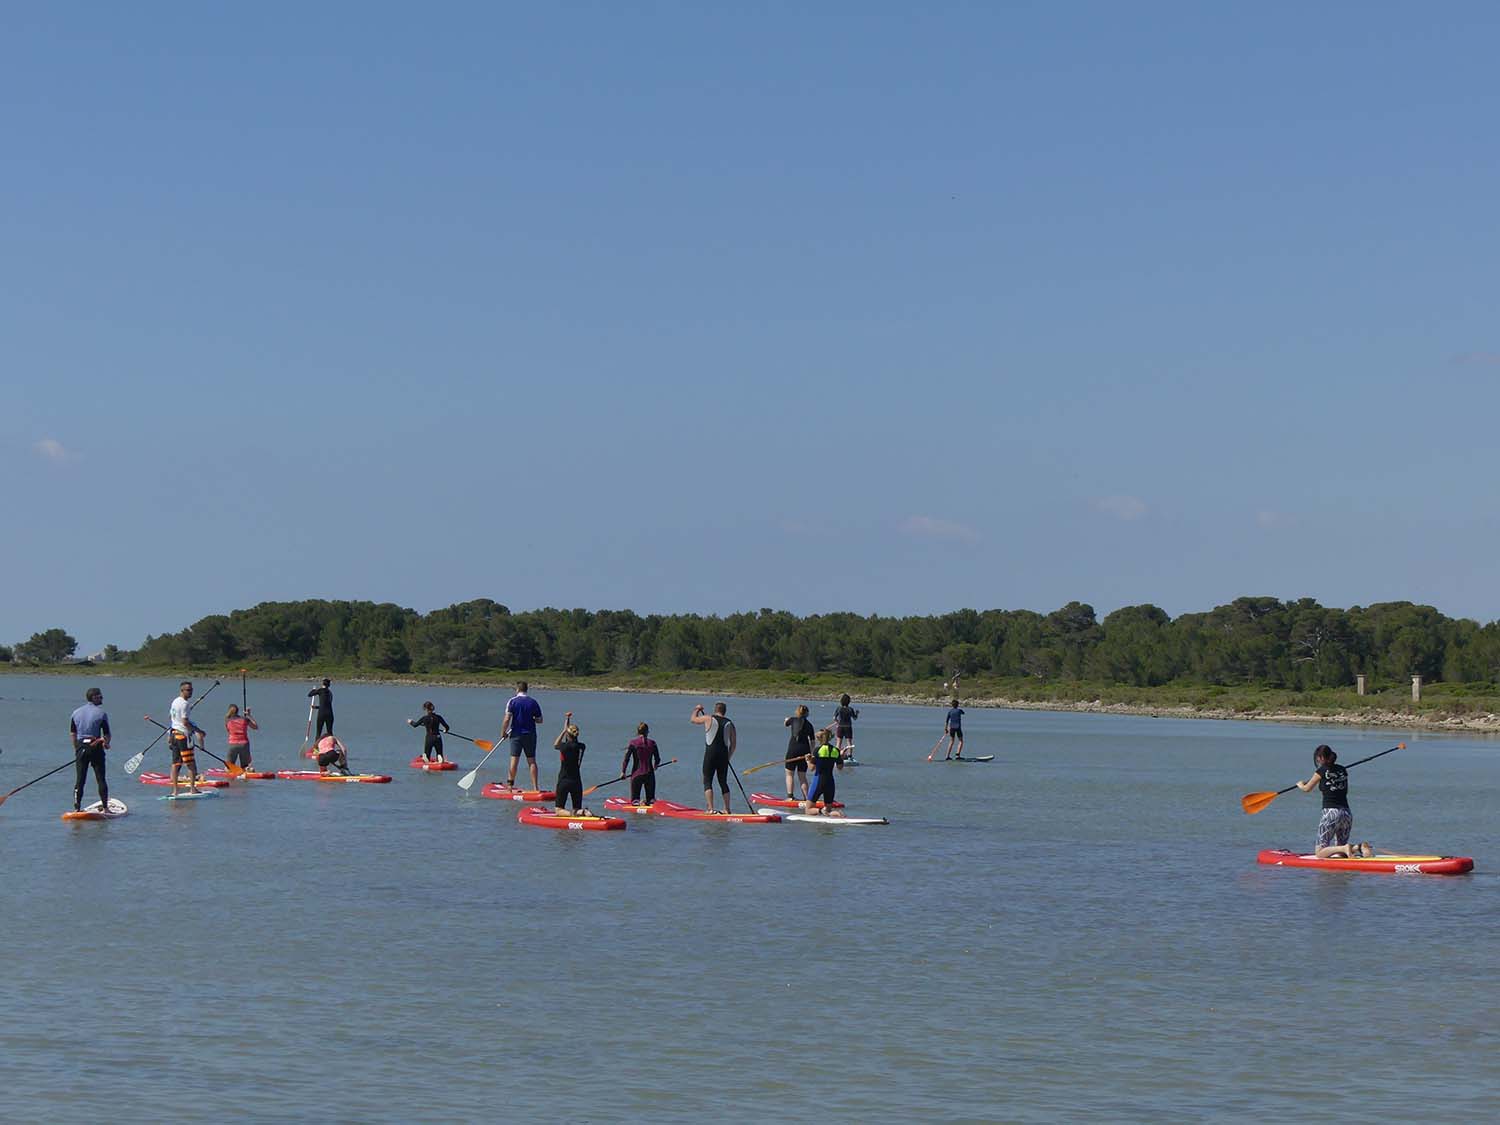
column 1408, row 869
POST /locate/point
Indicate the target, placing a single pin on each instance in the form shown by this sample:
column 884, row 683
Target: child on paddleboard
column 953, row 727
column 237, row 730
column 641, row 759
column 843, row 720
column 1337, row 822
column 332, row 752
column 825, row 759
column 431, row 722
column 569, row 769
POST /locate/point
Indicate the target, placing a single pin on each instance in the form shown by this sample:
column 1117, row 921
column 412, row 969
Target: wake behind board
column 98, row 812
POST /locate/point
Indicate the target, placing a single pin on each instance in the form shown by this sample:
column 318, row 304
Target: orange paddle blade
column 1252, row 803
column 235, row 770
column 484, row 744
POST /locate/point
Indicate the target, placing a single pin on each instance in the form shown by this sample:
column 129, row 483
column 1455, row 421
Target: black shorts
column 523, row 744
column 797, row 765
column 182, row 751
column 716, row 767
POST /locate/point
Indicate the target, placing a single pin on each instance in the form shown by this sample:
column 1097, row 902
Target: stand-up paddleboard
column 314, row 775
column 547, row 818
column 831, row 821
column 623, row 804
column 96, row 811
column 786, row 802
column 244, row 775
column 678, row 812
column 981, row 758
column 498, row 792
column 1377, row 864
column 204, row 782
column 432, row 767
column 189, row 795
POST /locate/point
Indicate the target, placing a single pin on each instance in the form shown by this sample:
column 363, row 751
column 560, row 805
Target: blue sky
column 696, row 307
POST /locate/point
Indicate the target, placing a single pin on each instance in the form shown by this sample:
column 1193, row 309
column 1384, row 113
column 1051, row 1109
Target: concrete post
column 1416, row 689
column 1359, row 684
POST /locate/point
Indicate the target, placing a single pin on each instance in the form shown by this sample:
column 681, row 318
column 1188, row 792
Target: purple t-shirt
column 524, row 712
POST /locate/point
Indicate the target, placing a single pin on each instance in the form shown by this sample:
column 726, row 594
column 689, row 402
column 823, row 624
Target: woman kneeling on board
column 641, row 759
column 435, row 726
column 570, row 768
column 825, row 759
column 1337, row 822
column 332, row 752
column 237, row 730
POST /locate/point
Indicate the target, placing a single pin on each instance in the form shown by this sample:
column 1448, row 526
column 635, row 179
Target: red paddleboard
column 432, row 767
column 622, row 804
column 248, row 775
column 786, row 802
column 314, row 775
column 1378, row 864
column 678, row 812
column 497, row 792
column 547, row 818
column 183, row 780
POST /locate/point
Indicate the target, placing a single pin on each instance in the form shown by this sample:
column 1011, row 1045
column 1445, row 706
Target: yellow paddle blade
column 1252, row 803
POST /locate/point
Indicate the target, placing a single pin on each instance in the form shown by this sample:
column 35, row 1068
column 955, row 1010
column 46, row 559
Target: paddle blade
column 235, row 770
column 1252, row 803
column 133, row 764
column 483, row 743
column 763, row 766
column 467, row 781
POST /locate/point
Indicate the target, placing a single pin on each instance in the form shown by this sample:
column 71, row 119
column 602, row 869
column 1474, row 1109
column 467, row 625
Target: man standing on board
column 90, row 730
column 522, row 714
column 718, row 747
column 324, row 697
column 180, row 737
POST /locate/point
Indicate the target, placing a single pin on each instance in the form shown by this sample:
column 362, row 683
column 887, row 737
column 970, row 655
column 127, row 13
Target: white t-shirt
column 180, row 721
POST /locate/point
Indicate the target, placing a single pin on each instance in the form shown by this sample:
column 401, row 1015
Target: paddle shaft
column 34, row 780
column 622, row 777
column 467, row 781
column 764, row 766
column 1261, row 800
column 741, row 784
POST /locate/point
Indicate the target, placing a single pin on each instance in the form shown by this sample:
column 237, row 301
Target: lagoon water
column 1077, row 930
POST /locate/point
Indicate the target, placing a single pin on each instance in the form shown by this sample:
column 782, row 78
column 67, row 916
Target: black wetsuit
column 716, row 753
column 433, row 743
column 800, row 744
column 641, row 759
column 570, row 773
column 825, row 761
column 844, row 718
column 90, row 753
column 325, row 710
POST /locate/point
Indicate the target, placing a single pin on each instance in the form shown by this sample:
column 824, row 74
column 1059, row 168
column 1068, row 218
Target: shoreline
column 1435, row 719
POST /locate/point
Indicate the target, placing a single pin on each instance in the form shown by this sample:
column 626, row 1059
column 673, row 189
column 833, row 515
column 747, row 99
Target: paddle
column 1252, row 803
column 467, row 781
column 306, row 738
column 482, row 743
column 622, row 777
column 764, row 766
column 936, row 744
column 135, row 763
column 234, row 770
column 244, row 700
column 34, row 780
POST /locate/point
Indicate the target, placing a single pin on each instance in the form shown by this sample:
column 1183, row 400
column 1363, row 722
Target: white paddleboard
column 189, row 795
column 98, row 812
column 831, row 821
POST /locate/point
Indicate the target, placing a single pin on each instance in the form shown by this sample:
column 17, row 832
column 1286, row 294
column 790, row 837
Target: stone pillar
column 1359, row 683
column 1416, row 689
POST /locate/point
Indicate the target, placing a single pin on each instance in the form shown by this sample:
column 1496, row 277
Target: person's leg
column 636, row 784
column 708, row 784
column 650, row 780
column 791, row 782
column 437, row 748
column 723, row 774
column 81, row 771
column 515, row 761
column 98, row 763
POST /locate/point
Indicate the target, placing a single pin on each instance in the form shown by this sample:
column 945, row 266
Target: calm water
column 1076, row 930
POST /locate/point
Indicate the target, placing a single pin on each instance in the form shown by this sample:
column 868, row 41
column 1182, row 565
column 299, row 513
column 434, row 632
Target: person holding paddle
column 719, row 741
column 641, row 759
column 322, row 698
column 825, row 759
column 181, row 737
column 569, row 769
column 332, row 752
column 89, row 727
column 431, row 722
column 237, row 730
column 953, row 730
column 843, row 719
column 522, row 714
column 1337, row 822
column 799, row 749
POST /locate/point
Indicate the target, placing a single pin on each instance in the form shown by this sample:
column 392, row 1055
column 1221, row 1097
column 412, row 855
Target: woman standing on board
column 843, row 720
column 569, row 768
column 799, row 749
column 431, row 721
column 1337, row 822
column 641, row 759
column 237, row 730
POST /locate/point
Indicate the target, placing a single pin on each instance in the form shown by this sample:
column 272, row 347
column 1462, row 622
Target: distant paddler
column 641, row 759
column 181, row 737
column 843, row 726
column 332, row 752
column 322, row 698
column 89, row 728
column 435, row 726
column 953, row 730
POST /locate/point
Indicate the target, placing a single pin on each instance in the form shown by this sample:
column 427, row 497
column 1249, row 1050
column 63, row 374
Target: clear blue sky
column 703, row 307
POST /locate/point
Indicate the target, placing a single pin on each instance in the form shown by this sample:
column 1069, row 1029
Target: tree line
column 1299, row 645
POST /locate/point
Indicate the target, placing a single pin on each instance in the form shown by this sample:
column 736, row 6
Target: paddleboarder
column 323, row 698
column 641, row 759
column 719, row 741
column 1337, row 822
column 522, row 714
column 89, row 728
column 953, row 727
column 843, row 720
column 431, row 721
column 181, row 737
column 569, row 768
column 332, row 752
column 824, row 760
column 799, row 749
column 237, row 730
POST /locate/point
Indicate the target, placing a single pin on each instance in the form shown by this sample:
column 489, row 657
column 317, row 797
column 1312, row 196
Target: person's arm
column 505, row 724
column 855, row 712
column 731, row 739
column 625, row 762
column 1310, row 784
column 73, row 734
column 698, row 716
column 442, row 722
column 557, row 742
column 251, row 723
column 313, row 693
column 655, row 755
